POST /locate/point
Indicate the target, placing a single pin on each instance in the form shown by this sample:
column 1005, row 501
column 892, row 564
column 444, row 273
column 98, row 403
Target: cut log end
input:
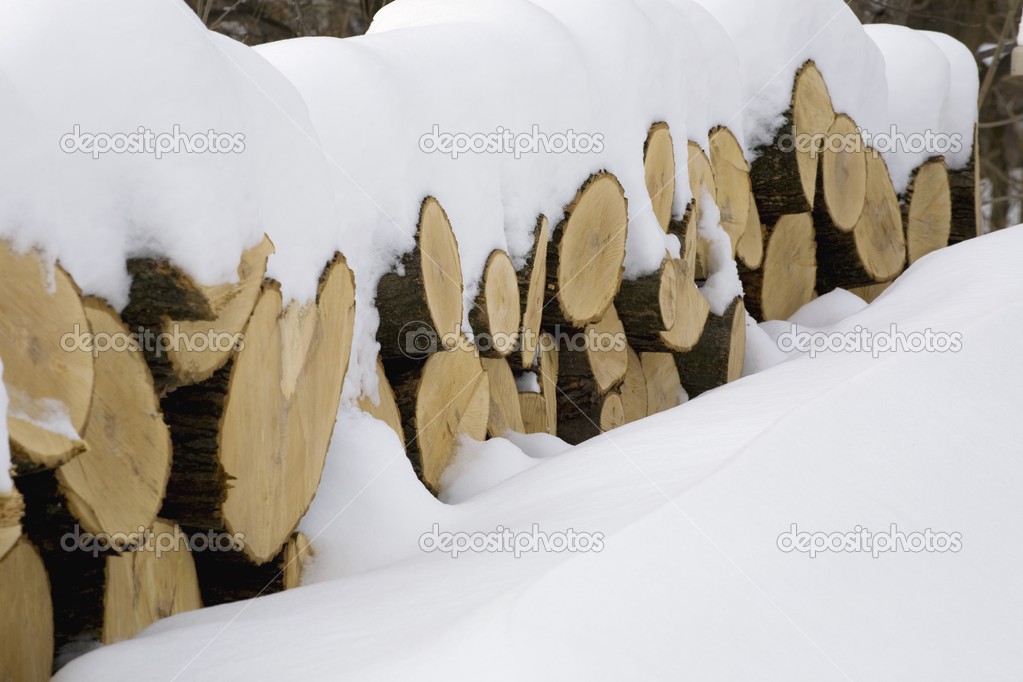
column 117, row 486
column 812, row 116
column 496, row 315
column 731, row 178
column 532, row 282
column 788, row 276
column 659, row 172
column 928, row 210
column 48, row 363
column 663, row 388
column 588, row 251
column 26, row 616
column 155, row 581
column 844, row 174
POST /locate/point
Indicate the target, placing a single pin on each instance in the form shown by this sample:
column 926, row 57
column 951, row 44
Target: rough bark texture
column 712, row 363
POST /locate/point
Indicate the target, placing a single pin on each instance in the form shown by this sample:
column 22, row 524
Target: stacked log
column 927, row 210
column 788, row 275
column 784, row 174
column 870, row 250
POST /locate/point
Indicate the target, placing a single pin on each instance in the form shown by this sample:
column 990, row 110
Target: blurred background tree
column 987, row 27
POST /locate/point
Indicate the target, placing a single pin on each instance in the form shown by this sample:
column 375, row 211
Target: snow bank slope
column 691, row 582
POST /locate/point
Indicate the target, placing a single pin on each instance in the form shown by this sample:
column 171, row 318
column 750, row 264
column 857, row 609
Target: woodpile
column 173, row 447
column 132, row 459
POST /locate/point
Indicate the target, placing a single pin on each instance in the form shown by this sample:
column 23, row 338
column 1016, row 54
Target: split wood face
column 591, row 250
column 790, row 267
column 663, row 388
column 117, row 485
column 385, row 409
column 452, row 400
column 532, row 281
column 731, row 178
column 928, row 210
column 750, row 250
column 12, row 506
column 844, row 173
column 634, row 390
column 26, row 619
column 441, row 268
column 880, row 242
column 275, row 431
column 497, row 312
column 505, row 412
column 812, row 116
column 659, row 172
column 233, row 304
column 49, row 386
column 143, row 586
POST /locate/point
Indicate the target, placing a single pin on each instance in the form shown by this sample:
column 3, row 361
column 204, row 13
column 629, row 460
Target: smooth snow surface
column 690, row 503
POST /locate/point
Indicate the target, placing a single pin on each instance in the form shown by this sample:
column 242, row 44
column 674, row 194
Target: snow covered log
column 663, row 311
column 663, row 387
column 586, row 253
column 784, row 173
column 47, row 369
column 228, row 577
column 425, row 288
column 927, row 210
column 872, row 250
column 532, row 283
column 732, row 181
column 176, row 312
column 439, row 400
column 717, row 358
column 26, row 616
column 787, row 278
column 259, row 428
column 505, row 411
column 496, row 315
